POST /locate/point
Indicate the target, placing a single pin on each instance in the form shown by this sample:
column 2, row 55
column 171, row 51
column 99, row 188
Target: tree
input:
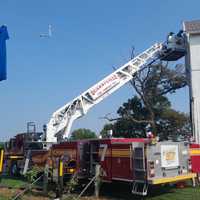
column 153, row 83
column 2, row 145
column 150, row 105
column 173, row 125
column 106, row 128
column 82, row 133
column 131, row 122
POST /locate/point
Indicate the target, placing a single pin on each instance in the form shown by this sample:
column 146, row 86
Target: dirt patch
column 6, row 193
column 31, row 197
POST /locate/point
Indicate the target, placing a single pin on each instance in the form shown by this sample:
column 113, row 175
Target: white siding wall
column 193, row 64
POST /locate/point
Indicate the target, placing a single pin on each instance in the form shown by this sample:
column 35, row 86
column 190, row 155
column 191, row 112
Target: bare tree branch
column 127, row 118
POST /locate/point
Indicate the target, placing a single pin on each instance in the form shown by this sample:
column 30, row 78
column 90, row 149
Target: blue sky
column 89, row 38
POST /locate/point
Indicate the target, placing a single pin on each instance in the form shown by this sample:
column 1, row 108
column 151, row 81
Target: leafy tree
column 169, row 123
column 153, row 83
column 151, row 106
column 173, row 125
column 106, row 128
column 1, row 145
column 82, row 133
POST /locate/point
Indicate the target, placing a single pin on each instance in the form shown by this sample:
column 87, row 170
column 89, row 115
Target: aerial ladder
column 59, row 126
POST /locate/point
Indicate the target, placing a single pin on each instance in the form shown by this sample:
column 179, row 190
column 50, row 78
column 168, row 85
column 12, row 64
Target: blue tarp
column 3, row 37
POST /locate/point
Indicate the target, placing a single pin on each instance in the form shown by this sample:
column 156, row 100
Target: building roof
column 192, row 27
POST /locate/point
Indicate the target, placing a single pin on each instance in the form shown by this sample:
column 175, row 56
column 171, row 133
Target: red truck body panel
column 195, row 157
column 116, row 157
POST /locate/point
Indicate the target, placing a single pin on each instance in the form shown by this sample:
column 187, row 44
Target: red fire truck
column 133, row 160
column 16, row 149
column 138, row 161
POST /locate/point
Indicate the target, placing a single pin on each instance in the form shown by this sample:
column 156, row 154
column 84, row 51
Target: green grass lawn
column 109, row 192
column 164, row 194
column 187, row 193
column 12, row 182
column 123, row 192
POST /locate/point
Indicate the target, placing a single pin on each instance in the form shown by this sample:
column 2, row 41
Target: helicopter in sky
column 49, row 34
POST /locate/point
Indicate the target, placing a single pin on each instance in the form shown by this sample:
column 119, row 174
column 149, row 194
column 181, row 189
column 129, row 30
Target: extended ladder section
column 61, row 120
